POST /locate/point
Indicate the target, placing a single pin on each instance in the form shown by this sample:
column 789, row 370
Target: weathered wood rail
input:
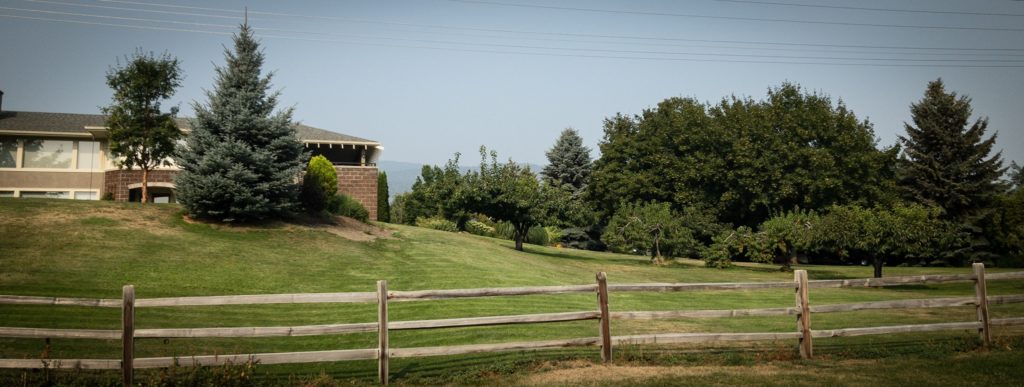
column 802, row 310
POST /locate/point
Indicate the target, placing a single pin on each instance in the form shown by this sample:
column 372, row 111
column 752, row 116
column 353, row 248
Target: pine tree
column 946, row 162
column 568, row 161
column 241, row 159
column 383, row 207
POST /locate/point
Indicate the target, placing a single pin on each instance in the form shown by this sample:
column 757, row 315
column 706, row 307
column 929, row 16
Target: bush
column 537, row 235
column 476, row 227
column 437, row 223
column 504, row 230
column 344, row 205
column 554, row 234
column 319, row 185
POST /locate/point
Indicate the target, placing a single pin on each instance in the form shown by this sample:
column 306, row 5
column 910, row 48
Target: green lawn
column 91, row 249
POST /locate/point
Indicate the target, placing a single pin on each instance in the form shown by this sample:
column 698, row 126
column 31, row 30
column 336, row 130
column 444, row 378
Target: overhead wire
column 737, row 18
column 579, row 35
column 579, row 52
column 856, row 8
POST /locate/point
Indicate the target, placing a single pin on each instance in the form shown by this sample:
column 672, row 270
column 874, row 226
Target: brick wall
column 361, row 184
column 116, row 182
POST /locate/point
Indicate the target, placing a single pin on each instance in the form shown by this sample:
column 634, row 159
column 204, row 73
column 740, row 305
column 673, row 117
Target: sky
column 429, row 78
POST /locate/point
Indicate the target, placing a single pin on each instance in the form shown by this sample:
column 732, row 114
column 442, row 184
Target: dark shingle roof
column 76, row 123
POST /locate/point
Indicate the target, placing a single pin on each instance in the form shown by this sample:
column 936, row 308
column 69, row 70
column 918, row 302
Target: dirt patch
column 585, row 373
column 355, row 230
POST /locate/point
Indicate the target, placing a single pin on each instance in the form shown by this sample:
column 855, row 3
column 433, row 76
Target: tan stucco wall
column 65, row 180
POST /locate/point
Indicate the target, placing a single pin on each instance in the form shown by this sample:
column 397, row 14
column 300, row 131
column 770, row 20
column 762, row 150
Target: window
column 8, row 153
column 41, row 153
column 88, row 155
column 6, row 194
column 45, row 194
column 85, row 195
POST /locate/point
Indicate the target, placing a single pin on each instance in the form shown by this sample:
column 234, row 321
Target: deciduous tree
column 141, row 135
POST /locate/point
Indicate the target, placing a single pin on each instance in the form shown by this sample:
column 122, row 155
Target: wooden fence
column 802, row 311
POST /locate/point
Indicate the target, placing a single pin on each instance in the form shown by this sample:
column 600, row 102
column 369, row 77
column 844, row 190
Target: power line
column 115, row 17
column 705, row 60
column 902, row 10
column 132, row 9
column 738, row 18
column 584, row 35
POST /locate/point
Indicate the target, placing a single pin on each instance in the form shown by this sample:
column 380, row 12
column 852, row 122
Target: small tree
column 242, row 157
column 140, row 134
column 507, row 192
column 383, row 206
column 319, row 184
column 645, row 227
column 569, row 161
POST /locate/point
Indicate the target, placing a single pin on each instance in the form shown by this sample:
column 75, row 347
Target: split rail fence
column 802, row 310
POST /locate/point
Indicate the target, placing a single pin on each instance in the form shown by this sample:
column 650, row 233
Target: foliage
column 141, row 136
column 507, row 192
column 318, row 185
column 742, row 160
column 1016, row 176
column 477, row 227
column 647, row 228
column 789, row 234
column 504, row 230
column 554, row 234
column 344, row 205
column 242, row 158
column 437, row 192
column 878, row 235
column 437, row 223
column 398, row 209
column 566, row 207
column 946, row 162
column 569, row 162
column 383, row 206
column 538, row 235
column 1004, row 226
column 582, row 238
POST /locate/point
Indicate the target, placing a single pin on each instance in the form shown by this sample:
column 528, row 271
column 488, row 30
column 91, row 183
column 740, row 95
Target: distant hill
column 401, row 175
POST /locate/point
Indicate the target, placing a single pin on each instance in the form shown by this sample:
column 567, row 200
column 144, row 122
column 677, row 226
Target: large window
column 86, row 195
column 88, row 155
column 8, row 153
column 41, row 153
column 6, row 194
column 45, row 194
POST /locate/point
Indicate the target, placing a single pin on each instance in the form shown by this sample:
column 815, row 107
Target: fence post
column 606, row 330
column 128, row 333
column 981, row 300
column 382, row 331
column 803, row 320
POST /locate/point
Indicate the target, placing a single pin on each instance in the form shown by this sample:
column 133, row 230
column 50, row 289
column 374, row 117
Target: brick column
column 361, row 184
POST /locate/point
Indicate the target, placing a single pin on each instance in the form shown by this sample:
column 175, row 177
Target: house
column 64, row 155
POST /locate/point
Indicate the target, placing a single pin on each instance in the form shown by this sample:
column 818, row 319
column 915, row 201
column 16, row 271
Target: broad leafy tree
column 437, row 192
column 948, row 161
column 569, row 162
column 507, row 192
column 141, row 135
column 646, row 228
column 743, row 160
column 242, row 158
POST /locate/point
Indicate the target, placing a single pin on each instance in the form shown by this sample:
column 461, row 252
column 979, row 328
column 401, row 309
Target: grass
column 91, row 249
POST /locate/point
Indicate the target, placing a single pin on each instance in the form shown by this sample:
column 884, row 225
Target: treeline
column 792, row 177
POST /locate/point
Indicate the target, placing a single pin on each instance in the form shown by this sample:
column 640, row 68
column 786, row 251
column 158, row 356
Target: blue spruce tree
column 241, row 160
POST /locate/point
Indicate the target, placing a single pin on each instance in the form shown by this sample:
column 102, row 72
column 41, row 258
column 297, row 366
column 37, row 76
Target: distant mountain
column 401, row 175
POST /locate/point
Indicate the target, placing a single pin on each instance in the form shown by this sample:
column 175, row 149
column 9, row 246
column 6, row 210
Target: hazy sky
column 429, row 78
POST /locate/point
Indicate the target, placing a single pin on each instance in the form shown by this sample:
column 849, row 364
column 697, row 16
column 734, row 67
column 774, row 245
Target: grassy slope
column 90, row 249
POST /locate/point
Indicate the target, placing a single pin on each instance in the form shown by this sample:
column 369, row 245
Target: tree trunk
column 520, row 235
column 519, row 241
column 145, row 185
column 878, row 266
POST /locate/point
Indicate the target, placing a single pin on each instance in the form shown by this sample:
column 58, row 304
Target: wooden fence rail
column 802, row 310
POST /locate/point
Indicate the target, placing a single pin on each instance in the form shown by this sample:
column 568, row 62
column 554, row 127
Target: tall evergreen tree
column 242, row 157
column 946, row 161
column 141, row 136
column 568, row 161
column 383, row 207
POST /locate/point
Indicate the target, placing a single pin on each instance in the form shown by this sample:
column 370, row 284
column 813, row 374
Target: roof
column 41, row 122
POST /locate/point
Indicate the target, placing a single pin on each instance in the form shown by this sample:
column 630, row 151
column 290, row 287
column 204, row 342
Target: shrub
column 437, row 223
column 476, row 227
column 554, row 234
column 319, row 185
column 504, row 230
column 344, row 205
column 537, row 235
